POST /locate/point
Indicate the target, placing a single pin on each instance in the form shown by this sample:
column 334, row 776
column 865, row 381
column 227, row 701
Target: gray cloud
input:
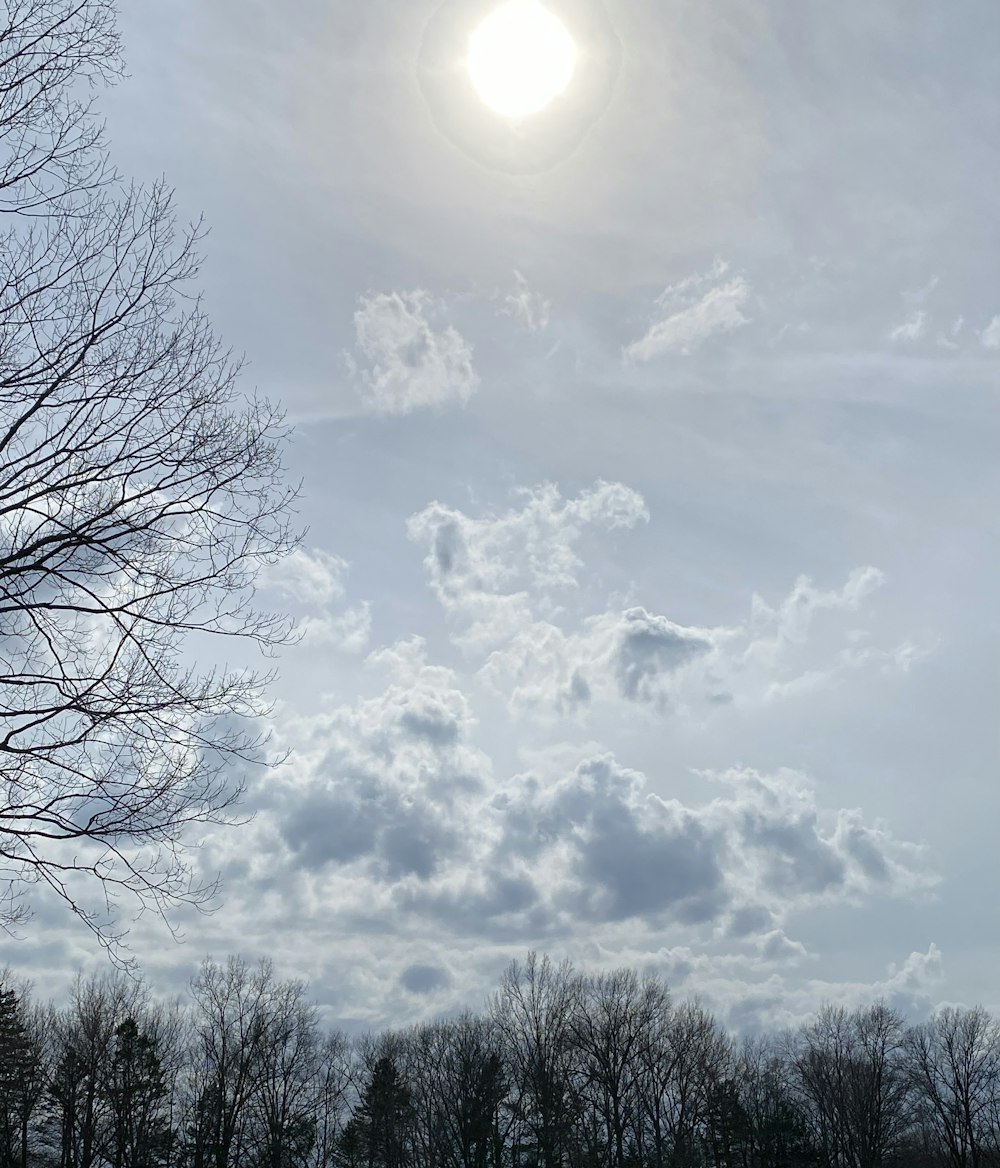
column 650, row 646
column 424, row 979
column 388, row 778
column 638, row 858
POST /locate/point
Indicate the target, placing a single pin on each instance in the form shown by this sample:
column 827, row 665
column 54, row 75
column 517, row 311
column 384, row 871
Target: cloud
column 529, row 308
column 990, row 336
column 316, row 579
column 390, row 815
column 390, row 819
column 408, row 357
column 506, row 579
column 631, row 655
column 743, row 864
column 626, row 855
column 692, row 312
column 348, row 631
column 382, row 783
column 490, row 571
column 424, row 979
column 647, row 648
column 750, row 995
column 597, row 846
column 911, row 329
column 310, row 576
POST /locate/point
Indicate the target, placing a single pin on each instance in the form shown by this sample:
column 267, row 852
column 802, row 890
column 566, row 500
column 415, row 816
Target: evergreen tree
column 377, row 1134
column 20, row 1065
column 137, row 1091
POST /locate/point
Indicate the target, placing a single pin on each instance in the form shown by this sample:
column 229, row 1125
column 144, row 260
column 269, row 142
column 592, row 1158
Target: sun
column 521, row 57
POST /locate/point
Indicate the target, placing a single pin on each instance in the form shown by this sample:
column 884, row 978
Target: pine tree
column 137, row 1091
column 379, row 1127
column 20, row 1068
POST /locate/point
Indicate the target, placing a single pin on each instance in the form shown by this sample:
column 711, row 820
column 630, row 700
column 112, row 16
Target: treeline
column 561, row 1070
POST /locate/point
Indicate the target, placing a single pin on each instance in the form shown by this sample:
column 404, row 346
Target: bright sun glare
column 520, row 58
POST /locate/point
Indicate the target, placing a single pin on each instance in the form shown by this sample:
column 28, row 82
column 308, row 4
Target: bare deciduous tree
column 290, row 1065
column 332, row 1086
column 614, row 1027
column 954, row 1063
column 851, row 1073
column 533, row 1013
column 50, row 144
column 139, row 493
column 231, row 1013
column 683, row 1065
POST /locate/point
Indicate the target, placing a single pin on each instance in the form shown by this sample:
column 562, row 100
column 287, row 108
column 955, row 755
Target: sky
column 648, row 452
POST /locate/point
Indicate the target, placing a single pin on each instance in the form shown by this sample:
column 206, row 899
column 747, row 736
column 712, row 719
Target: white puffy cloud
column 317, row 580
column 691, row 312
column 408, row 356
column 505, row 579
column 310, row 576
column 490, row 572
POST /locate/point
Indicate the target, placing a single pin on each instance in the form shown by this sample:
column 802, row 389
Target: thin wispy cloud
column 911, row 329
column 526, row 305
column 691, row 313
column 990, row 336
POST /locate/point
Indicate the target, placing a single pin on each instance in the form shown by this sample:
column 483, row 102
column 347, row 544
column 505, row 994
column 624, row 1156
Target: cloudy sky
column 649, row 458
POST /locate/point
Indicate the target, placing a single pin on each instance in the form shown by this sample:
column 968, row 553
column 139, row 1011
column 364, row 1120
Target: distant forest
column 560, row 1070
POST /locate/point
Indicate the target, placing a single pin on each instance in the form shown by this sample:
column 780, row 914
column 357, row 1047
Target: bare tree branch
column 140, row 491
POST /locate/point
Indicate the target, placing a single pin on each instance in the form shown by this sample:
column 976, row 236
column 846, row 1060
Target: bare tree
column 290, row 1063
column 460, row 1089
column 50, row 144
column 84, row 1049
column 774, row 1129
column 140, row 491
column 851, row 1074
column 232, row 1011
column 332, row 1090
column 954, row 1063
column 687, row 1059
column 614, row 1027
column 533, row 1013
